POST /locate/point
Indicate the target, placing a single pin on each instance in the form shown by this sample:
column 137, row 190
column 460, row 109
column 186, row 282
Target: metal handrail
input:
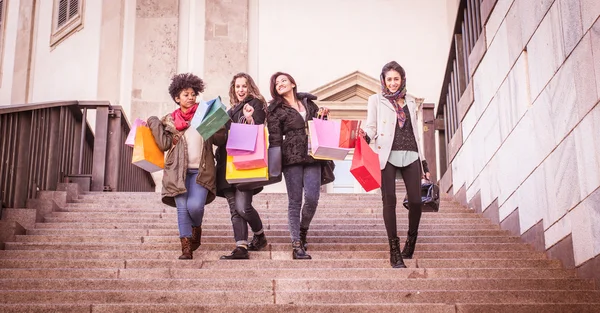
column 44, row 144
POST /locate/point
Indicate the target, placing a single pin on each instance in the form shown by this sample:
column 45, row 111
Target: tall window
column 67, row 19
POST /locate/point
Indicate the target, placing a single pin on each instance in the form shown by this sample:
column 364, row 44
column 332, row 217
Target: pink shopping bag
column 242, row 138
column 256, row 159
column 130, row 141
column 325, row 140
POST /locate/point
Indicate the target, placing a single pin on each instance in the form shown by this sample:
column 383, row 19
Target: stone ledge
column 8, row 231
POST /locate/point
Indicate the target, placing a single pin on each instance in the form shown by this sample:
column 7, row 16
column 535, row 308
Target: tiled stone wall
column 155, row 61
column 530, row 153
column 226, row 45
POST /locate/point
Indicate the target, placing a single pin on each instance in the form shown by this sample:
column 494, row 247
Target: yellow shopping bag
column 234, row 175
column 146, row 153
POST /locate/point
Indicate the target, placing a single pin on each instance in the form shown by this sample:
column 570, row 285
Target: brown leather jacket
column 173, row 182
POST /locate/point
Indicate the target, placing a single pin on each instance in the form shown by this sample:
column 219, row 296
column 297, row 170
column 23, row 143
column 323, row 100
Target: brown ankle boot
column 196, row 236
column 186, row 249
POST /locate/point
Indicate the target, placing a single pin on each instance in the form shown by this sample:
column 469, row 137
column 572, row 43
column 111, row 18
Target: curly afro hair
column 183, row 81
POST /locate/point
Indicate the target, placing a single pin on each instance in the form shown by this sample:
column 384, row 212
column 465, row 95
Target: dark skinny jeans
column 242, row 215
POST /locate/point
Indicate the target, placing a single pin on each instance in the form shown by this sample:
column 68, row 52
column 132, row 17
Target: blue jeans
column 302, row 178
column 190, row 205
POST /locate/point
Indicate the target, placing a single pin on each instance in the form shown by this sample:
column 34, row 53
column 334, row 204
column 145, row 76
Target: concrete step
column 375, row 234
column 117, row 252
column 59, row 217
column 296, row 284
column 280, row 213
column 415, row 296
column 276, row 263
column 288, row 273
column 376, row 263
column 211, row 255
column 432, row 249
column 137, row 296
column 312, row 240
column 304, row 297
column 424, row 229
column 303, row 308
column 240, row 308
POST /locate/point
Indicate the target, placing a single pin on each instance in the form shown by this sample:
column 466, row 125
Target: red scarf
column 182, row 120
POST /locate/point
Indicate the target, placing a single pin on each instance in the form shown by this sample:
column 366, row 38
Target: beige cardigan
column 381, row 124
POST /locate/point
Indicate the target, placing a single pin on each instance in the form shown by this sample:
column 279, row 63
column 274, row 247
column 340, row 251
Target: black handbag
column 327, row 175
column 274, row 160
column 430, row 197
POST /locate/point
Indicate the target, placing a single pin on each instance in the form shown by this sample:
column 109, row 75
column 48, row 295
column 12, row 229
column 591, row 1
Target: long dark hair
column 393, row 65
column 252, row 89
column 277, row 98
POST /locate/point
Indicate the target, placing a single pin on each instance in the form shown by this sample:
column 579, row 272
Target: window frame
column 71, row 26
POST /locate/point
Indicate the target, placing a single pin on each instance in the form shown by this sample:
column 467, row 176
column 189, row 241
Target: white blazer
column 381, row 125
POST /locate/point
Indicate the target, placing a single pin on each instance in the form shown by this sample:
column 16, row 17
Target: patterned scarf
column 182, row 120
column 393, row 97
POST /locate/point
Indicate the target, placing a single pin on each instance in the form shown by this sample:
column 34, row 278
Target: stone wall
column 155, row 57
column 530, row 153
column 226, row 45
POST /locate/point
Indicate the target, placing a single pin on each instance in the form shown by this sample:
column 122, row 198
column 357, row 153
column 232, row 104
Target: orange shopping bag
column 146, row 153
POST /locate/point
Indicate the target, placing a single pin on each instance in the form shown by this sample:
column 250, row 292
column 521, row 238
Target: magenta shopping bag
column 242, row 138
column 131, row 137
column 325, row 140
column 256, row 159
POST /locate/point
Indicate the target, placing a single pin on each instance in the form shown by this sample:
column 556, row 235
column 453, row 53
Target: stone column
column 155, row 57
column 226, row 45
column 23, row 52
column 111, row 43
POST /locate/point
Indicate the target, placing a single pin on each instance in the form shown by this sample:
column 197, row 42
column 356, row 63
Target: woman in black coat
column 288, row 114
column 247, row 106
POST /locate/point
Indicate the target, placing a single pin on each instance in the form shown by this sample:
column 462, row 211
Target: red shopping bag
column 348, row 131
column 256, row 159
column 365, row 166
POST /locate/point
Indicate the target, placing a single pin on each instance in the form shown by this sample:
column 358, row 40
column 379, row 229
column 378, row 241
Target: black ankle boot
column 239, row 253
column 303, row 232
column 409, row 247
column 258, row 242
column 395, row 255
column 299, row 253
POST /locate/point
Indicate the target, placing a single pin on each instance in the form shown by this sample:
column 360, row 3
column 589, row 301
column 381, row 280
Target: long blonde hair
column 252, row 89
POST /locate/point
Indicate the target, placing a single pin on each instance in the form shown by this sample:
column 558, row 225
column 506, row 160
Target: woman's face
column 186, row 99
column 393, row 81
column 241, row 88
column 283, row 85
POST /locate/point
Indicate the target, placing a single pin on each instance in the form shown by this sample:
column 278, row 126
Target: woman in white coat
column 392, row 131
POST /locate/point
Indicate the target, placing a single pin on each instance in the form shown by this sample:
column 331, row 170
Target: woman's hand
column 361, row 133
column 248, row 111
column 322, row 113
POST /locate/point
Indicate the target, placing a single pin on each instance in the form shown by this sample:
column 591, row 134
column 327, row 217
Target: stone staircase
column 117, row 252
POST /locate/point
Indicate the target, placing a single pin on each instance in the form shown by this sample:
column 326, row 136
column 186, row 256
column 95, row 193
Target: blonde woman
column 247, row 106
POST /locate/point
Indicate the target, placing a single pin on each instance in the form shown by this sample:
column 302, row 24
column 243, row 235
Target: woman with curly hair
column 289, row 112
column 189, row 175
column 247, row 106
column 392, row 127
